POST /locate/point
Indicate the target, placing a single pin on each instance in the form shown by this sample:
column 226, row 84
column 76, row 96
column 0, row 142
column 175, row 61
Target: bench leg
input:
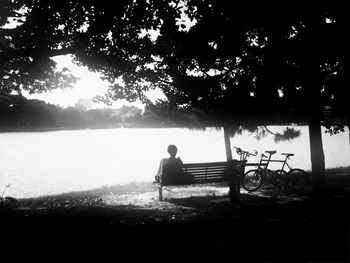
column 234, row 190
column 160, row 193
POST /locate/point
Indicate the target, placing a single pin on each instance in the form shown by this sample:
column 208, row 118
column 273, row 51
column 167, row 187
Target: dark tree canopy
column 236, row 59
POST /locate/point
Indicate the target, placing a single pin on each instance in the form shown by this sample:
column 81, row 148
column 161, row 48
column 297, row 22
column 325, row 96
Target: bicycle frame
column 264, row 162
column 284, row 163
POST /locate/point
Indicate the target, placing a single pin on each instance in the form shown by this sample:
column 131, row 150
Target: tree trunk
column 227, row 143
column 314, row 90
column 317, row 160
column 234, row 182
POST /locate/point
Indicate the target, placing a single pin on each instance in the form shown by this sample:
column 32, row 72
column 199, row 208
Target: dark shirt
column 170, row 171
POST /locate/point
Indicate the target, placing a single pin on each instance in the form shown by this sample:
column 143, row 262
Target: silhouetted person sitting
column 170, row 169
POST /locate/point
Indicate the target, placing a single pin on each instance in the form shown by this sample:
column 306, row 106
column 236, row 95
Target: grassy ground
column 194, row 224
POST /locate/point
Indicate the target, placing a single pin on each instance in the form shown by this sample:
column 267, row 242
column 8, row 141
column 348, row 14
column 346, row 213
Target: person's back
column 170, row 169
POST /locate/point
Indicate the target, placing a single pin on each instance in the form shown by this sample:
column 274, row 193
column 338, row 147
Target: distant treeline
column 20, row 113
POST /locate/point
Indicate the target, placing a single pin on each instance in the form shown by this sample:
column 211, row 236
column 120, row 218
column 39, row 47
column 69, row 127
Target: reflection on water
column 40, row 163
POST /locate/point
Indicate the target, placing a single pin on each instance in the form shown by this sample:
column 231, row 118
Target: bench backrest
column 212, row 172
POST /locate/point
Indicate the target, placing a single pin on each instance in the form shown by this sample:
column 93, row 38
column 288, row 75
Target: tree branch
column 276, row 134
column 18, row 53
column 165, row 82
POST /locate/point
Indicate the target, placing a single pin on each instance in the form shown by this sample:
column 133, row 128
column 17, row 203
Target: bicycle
column 296, row 179
column 253, row 179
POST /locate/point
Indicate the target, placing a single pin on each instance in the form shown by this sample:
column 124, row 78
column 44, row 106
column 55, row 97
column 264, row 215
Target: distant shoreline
column 47, row 129
column 5, row 129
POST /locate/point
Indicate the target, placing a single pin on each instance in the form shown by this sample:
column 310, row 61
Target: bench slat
column 205, row 164
column 205, row 168
column 207, row 172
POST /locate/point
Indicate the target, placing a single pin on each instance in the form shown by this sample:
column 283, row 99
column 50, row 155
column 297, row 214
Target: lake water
column 42, row 163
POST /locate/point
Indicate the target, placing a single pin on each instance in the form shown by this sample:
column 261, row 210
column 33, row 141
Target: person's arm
column 160, row 170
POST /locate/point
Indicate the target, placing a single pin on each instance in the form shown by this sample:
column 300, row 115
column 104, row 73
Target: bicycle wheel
column 268, row 176
column 298, row 179
column 279, row 179
column 252, row 180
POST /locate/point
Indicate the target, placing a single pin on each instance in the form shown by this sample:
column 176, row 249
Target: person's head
column 172, row 150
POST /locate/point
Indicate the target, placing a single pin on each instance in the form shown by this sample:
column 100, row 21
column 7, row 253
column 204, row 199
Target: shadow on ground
column 187, row 227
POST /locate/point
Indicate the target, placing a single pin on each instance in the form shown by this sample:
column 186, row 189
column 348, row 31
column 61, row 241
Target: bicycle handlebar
column 237, row 149
column 240, row 152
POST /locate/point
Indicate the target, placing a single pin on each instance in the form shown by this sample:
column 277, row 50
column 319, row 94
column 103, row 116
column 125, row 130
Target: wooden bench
column 207, row 173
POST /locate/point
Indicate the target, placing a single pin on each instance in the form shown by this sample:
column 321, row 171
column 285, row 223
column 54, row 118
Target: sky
column 88, row 85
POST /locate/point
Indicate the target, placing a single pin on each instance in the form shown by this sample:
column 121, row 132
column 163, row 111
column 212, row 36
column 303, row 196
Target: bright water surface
column 42, row 163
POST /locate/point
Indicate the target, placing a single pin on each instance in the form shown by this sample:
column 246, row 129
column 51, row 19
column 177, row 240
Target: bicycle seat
column 271, row 152
column 288, row 154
